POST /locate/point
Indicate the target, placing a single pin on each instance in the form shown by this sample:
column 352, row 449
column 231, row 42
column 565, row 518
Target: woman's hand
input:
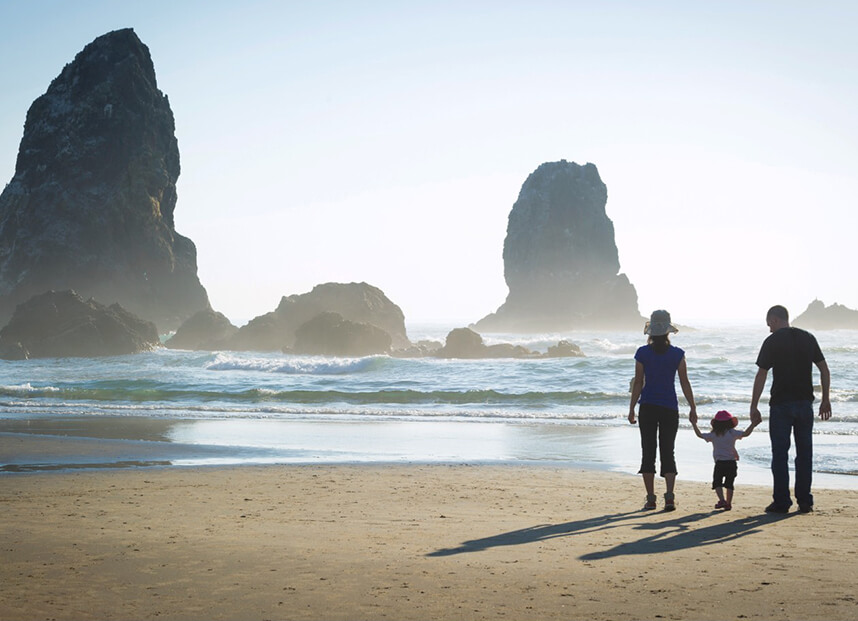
column 632, row 416
column 692, row 415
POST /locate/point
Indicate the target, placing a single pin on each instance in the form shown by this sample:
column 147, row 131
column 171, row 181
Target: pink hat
column 724, row 415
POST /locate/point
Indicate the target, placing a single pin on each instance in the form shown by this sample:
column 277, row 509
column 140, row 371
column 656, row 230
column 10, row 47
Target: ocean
column 182, row 408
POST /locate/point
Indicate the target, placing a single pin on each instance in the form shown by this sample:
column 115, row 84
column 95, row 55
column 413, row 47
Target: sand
column 411, row 542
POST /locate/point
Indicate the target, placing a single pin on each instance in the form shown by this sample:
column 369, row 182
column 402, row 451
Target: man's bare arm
column 759, row 385
column 825, row 380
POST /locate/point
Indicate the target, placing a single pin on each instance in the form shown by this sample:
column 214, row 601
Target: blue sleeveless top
column 659, row 375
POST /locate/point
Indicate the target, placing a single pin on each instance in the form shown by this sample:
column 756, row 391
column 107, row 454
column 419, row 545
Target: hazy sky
column 386, row 142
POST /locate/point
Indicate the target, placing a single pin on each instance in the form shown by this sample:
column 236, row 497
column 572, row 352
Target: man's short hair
column 778, row 311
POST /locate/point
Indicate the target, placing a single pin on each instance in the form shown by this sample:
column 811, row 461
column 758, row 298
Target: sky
column 386, row 142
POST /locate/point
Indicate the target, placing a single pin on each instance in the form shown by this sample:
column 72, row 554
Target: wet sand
column 410, row 542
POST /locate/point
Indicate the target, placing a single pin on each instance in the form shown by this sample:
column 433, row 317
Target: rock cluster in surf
column 334, row 319
column 60, row 324
column 342, row 319
column 561, row 262
column 465, row 343
column 90, row 206
column 359, row 303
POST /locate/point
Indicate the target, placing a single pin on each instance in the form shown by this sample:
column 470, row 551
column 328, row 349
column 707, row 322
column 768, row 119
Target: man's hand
column 757, row 418
column 825, row 409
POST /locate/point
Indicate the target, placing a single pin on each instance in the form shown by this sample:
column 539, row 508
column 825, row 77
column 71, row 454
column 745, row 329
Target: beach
column 244, row 485
column 410, row 541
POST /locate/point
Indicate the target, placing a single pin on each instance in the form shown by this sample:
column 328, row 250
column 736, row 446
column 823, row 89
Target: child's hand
column 696, row 429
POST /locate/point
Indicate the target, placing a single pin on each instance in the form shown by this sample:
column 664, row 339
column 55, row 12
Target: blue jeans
column 785, row 419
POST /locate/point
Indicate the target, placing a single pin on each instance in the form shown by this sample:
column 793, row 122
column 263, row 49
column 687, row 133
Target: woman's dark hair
column 660, row 343
column 720, row 427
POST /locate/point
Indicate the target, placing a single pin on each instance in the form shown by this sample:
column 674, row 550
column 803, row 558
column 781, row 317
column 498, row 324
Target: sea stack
column 818, row 316
column 560, row 258
column 90, row 206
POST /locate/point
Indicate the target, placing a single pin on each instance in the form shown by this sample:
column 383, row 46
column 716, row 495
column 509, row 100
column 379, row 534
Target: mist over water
column 249, row 407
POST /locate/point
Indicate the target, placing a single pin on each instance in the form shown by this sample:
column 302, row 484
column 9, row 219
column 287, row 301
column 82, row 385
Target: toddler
column 723, row 438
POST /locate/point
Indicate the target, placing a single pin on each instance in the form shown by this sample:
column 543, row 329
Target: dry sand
column 411, row 542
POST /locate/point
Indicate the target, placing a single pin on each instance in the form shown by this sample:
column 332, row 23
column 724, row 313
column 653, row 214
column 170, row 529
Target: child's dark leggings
column 658, row 426
column 724, row 473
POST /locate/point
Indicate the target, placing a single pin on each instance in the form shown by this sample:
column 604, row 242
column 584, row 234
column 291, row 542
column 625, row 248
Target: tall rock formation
column 90, row 206
column 560, row 258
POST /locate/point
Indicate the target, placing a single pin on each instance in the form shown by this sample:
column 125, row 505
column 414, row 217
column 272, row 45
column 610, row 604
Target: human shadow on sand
column 672, row 534
column 541, row 533
column 677, row 535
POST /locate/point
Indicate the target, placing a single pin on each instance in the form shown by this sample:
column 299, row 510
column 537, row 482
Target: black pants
column 658, row 426
column 724, row 473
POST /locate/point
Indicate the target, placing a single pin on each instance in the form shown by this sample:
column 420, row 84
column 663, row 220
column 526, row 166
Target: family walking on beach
column 789, row 352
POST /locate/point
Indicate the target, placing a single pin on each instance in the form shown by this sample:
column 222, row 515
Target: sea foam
column 293, row 365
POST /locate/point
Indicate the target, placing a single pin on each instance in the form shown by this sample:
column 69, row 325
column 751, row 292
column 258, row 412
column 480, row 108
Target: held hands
column 756, row 417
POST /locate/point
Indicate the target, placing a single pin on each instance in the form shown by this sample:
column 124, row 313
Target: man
column 790, row 353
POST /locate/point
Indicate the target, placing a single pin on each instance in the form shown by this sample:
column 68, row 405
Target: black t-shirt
column 790, row 353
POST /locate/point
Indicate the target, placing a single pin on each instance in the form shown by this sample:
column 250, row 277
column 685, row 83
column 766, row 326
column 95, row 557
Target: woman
column 656, row 366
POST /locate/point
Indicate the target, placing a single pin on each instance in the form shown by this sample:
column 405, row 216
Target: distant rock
column 205, row 330
column 264, row 333
column 467, row 344
column 462, row 343
column 508, row 350
column 90, row 206
column 328, row 334
column 564, row 349
column 561, row 262
column 60, row 324
column 821, row 317
column 420, row 349
column 355, row 302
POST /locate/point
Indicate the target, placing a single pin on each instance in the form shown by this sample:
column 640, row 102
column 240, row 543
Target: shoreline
column 410, row 542
column 81, row 443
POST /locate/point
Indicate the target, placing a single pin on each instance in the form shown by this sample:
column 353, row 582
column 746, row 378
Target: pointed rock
column 91, row 204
